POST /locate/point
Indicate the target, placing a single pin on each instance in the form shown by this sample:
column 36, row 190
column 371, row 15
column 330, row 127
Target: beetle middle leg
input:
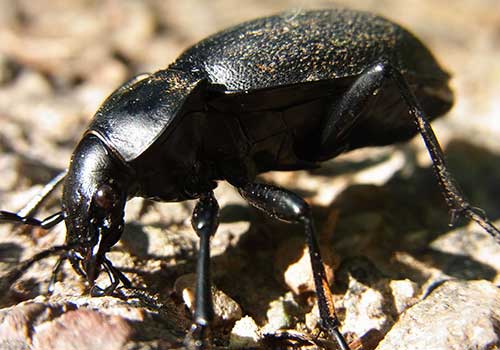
column 289, row 207
column 346, row 113
column 205, row 222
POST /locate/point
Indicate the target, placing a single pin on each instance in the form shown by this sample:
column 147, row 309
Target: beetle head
column 94, row 196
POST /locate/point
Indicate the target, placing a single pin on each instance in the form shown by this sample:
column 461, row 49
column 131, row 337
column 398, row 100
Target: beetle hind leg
column 346, row 114
column 289, row 207
column 454, row 198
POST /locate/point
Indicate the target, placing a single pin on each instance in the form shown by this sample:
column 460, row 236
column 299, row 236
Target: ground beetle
column 278, row 93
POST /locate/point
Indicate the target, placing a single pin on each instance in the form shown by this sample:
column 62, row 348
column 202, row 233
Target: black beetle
column 278, row 93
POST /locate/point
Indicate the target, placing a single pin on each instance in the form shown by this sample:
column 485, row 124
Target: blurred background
column 60, row 59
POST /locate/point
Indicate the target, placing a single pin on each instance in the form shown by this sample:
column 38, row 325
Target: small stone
column 293, row 258
column 280, row 314
column 184, row 287
column 245, row 333
column 82, row 330
column 15, row 324
column 368, row 302
column 466, row 253
column 225, row 308
column 405, row 293
column 365, row 311
column 456, row 315
column 312, row 318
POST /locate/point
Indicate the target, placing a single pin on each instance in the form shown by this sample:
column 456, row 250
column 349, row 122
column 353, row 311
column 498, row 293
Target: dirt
column 381, row 218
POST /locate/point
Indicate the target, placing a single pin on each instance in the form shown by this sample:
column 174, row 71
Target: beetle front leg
column 205, row 220
column 289, row 207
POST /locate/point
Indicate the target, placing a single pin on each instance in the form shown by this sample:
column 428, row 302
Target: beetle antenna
column 47, row 223
column 34, row 204
column 26, row 214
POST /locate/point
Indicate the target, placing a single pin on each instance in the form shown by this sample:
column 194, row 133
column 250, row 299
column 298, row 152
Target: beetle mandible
column 279, row 93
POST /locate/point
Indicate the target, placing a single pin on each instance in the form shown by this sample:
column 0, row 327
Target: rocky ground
column 403, row 278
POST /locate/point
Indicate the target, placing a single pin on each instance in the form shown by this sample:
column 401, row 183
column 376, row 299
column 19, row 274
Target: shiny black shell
column 133, row 117
column 257, row 94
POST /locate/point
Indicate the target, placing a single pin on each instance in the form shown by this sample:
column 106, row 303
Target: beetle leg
column 115, row 277
column 15, row 274
column 117, row 273
column 289, row 207
column 55, row 271
column 205, row 220
column 96, row 291
column 453, row 196
column 346, row 113
column 25, row 215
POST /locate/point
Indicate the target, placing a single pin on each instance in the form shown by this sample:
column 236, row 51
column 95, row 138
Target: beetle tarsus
column 196, row 339
column 339, row 338
column 452, row 193
column 478, row 215
column 115, row 277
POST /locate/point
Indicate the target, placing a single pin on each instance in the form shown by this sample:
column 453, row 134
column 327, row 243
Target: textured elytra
column 297, row 47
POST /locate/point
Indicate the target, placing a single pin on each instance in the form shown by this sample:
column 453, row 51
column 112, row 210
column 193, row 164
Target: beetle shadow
column 405, row 215
column 242, row 271
column 10, row 253
column 403, row 225
column 415, row 206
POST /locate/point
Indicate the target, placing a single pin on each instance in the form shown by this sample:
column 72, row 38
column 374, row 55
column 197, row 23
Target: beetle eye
column 105, row 197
